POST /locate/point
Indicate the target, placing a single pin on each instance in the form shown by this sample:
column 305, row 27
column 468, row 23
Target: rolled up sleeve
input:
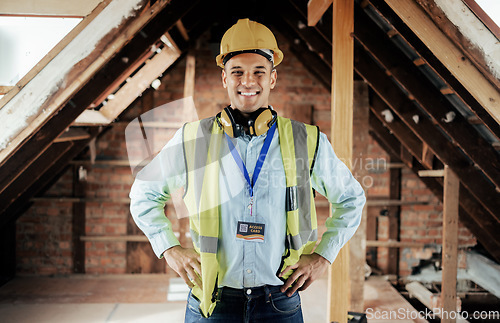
column 152, row 188
column 332, row 179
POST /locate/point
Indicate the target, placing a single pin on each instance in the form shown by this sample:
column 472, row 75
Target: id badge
column 250, row 231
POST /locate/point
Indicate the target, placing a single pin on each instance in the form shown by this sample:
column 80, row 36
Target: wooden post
column 357, row 245
column 342, row 123
column 450, row 243
column 79, row 211
column 189, row 78
column 394, row 218
column 189, row 115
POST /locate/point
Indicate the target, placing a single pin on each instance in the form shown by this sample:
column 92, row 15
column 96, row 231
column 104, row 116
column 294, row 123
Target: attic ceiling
column 421, row 111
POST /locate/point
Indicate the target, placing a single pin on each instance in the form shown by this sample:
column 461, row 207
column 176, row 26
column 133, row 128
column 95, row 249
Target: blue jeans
column 262, row 304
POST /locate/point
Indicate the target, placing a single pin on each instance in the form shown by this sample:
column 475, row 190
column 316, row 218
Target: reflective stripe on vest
column 202, row 142
column 298, row 159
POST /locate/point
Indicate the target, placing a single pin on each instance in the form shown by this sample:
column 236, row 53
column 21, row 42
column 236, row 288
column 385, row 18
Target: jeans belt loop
column 219, row 294
column 267, row 293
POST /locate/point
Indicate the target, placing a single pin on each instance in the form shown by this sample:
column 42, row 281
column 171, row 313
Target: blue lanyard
column 260, row 161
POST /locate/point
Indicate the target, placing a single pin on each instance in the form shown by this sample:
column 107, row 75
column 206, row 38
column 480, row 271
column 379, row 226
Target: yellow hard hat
column 248, row 36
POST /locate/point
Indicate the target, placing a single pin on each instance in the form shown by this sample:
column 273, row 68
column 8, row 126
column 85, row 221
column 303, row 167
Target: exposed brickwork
column 44, row 231
column 423, row 223
column 44, row 244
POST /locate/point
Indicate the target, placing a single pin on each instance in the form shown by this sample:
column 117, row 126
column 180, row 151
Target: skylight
column 24, row 41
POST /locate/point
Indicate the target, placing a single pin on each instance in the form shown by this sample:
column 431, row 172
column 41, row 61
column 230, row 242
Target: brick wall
column 44, row 240
column 43, row 234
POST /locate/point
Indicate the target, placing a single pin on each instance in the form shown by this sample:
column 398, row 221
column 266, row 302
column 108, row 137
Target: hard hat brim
column 277, row 55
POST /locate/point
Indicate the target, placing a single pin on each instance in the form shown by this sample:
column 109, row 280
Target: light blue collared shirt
column 248, row 263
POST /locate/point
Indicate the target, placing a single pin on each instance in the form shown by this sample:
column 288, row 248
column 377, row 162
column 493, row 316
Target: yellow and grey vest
column 202, row 142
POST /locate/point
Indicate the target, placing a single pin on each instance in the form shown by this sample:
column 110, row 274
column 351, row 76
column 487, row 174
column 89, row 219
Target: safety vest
column 202, row 142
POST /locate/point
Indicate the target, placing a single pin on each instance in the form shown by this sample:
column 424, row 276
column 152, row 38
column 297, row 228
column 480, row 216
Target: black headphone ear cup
column 262, row 122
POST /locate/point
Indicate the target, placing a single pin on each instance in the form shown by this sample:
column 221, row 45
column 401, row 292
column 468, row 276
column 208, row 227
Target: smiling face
column 248, row 78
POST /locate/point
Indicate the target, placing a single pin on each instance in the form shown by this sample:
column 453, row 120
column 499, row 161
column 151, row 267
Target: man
column 248, row 177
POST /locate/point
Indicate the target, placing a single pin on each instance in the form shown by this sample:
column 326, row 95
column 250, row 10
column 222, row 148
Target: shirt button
column 249, row 291
column 249, row 271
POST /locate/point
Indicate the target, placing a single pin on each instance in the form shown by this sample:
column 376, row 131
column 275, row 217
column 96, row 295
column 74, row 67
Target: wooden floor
column 151, row 298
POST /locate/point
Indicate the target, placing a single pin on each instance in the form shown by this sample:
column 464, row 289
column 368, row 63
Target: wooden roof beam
column 45, row 161
column 4, row 89
column 471, row 177
column 72, row 134
column 139, row 82
column 67, row 8
column 449, row 54
column 182, row 30
column 471, row 213
column 313, row 40
column 315, row 10
column 130, row 91
column 428, row 96
column 401, row 131
column 315, row 64
column 324, row 28
column 57, row 124
column 434, row 63
column 52, row 163
column 42, row 98
column 53, row 52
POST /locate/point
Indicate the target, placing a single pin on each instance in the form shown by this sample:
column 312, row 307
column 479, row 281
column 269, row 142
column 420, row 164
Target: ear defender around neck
column 262, row 122
column 233, row 123
column 228, row 123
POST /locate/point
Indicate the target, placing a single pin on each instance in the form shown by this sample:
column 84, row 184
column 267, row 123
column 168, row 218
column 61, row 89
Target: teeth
column 248, row 93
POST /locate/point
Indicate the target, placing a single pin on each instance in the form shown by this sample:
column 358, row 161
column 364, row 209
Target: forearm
column 147, row 210
column 332, row 179
column 152, row 188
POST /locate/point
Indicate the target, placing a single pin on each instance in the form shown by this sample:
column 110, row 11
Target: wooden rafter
column 26, row 178
column 182, row 30
column 455, row 19
column 314, row 41
column 401, row 105
column 4, row 89
column 399, row 139
column 448, row 53
column 44, row 178
column 134, row 87
column 72, row 8
column 57, row 124
column 322, row 29
column 74, row 70
column 472, row 214
column 434, row 63
column 127, row 70
column 54, row 52
column 429, row 97
column 73, row 134
column 316, row 65
column 404, row 134
column 316, row 9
